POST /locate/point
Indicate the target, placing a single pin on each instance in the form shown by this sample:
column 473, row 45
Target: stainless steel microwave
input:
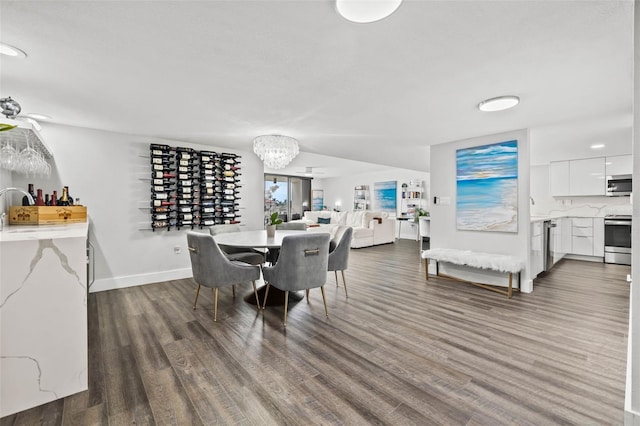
column 619, row 185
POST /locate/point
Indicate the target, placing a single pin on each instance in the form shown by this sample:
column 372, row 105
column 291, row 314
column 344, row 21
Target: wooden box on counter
column 47, row 215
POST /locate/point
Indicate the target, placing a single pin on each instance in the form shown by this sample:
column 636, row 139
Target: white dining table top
column 253, row 239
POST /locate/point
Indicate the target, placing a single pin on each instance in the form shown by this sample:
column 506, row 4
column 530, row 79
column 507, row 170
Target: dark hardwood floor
column 398, row 351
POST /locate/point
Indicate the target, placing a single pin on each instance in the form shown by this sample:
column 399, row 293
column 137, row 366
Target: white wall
column 443, row 217
column 103, row 170
column 546, row 205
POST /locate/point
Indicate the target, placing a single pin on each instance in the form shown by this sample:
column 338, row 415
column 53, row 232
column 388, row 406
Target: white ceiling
column 223, row 72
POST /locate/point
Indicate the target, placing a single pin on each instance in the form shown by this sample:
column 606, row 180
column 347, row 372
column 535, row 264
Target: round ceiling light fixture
column 498, row 104
column 366, row 11
column 8, row 50
column 37, row 116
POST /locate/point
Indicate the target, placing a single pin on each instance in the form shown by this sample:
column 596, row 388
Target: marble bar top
column 43, row 232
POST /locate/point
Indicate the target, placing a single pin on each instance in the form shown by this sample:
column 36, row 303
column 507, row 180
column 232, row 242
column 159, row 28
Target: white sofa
column 369, row 228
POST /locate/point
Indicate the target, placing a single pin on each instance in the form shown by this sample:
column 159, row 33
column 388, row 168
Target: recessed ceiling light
column 7, row 49
column 498, row 104
column 37, row 116
column 365, row 11
column 597, row 146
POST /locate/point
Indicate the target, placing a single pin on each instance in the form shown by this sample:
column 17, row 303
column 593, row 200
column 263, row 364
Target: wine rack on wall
column 191, row 188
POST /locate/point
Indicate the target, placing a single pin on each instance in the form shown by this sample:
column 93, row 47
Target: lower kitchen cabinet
column 587, row 236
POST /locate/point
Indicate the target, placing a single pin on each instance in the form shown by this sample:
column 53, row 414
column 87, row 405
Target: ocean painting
column 317, row 201
column 384, row 196
column 487, row 187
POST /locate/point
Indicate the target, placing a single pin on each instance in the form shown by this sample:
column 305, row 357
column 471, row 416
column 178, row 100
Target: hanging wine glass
column 8, row 157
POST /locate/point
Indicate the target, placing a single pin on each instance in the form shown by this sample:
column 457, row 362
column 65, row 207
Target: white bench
column 495, row 262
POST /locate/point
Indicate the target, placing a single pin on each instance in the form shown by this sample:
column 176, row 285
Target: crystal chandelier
column 275, row 150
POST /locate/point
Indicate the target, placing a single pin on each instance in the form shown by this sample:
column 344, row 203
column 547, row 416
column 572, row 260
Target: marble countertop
column 540, row 218
column 42, row 232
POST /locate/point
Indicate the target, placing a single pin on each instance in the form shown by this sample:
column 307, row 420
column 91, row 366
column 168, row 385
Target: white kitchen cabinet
column 577, row 177
column 562, row 238
column 598, row 236
column 537, row 248
column 619, row 165
column 582, row 236
column 559, row 178
column 586, row 177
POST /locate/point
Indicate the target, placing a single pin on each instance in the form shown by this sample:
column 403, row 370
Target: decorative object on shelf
column 384, row 196
column 487, row 187
column 276, row 151
column 361, row 197
column 366, row 11
column 192, row 188
column 273, row 222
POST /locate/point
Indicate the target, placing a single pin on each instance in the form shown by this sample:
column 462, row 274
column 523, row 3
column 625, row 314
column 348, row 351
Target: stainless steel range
column 617, row 239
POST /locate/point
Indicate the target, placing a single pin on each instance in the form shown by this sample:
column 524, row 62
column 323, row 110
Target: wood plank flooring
column 398, row 351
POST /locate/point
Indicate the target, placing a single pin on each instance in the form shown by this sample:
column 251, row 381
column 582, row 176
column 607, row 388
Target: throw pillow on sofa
column 324, row 220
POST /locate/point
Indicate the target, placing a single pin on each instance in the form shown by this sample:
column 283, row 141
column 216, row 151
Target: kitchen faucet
column 2, row 191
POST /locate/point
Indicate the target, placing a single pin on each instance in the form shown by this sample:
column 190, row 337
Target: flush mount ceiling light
column 7, row 49
column 37, row 116
column 275, row 150
column 597, row 146
column 365, row 11
column 498, row 104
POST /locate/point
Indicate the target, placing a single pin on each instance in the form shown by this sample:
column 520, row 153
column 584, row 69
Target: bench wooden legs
column 508, row 292
column 426, row 268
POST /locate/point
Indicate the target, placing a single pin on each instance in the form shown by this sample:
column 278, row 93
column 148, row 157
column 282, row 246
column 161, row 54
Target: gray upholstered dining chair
column 211, row 268
column 339, row 248
column 250, row 256
column 272, row 255
column 302, row 265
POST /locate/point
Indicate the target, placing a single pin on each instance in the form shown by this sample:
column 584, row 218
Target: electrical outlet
column 177, row 250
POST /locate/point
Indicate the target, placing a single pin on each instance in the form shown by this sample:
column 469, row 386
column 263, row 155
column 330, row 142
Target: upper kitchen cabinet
column 619, row 165
column 559, row 178
column 586, row 177
column 577, row 177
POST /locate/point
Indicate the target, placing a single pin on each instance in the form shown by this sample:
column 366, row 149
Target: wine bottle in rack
column 54, row 198
column 47, row 200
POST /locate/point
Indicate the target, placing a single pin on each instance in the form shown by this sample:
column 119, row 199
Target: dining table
column 260, row 240
column 254, row 239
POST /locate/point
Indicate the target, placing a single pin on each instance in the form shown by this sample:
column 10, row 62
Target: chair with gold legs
column 301, row 265
column 339, row 248
column 211, row 268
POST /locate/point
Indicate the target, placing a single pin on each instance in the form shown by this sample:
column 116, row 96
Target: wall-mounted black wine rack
column 191, row 188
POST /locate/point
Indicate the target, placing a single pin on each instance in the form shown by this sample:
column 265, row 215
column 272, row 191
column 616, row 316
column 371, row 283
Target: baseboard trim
column 105, row 284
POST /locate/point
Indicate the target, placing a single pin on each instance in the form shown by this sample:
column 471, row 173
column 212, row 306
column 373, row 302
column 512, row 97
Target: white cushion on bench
column 496, row 262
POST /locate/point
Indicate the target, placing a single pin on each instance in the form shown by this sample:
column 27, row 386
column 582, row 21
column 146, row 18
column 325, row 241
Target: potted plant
column 420, row 212
column 271, row 227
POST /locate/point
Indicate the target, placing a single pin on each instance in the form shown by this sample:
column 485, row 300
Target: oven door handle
column 618, row 222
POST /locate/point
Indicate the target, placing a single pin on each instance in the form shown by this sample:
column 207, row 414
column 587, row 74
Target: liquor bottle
column 54, row 198
column 47, row 201
column 39, row 199
column 64, row 200
column 25, row 200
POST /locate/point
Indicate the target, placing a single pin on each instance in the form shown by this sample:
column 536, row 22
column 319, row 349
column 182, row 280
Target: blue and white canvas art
column 487, row 187
column 384, row 196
